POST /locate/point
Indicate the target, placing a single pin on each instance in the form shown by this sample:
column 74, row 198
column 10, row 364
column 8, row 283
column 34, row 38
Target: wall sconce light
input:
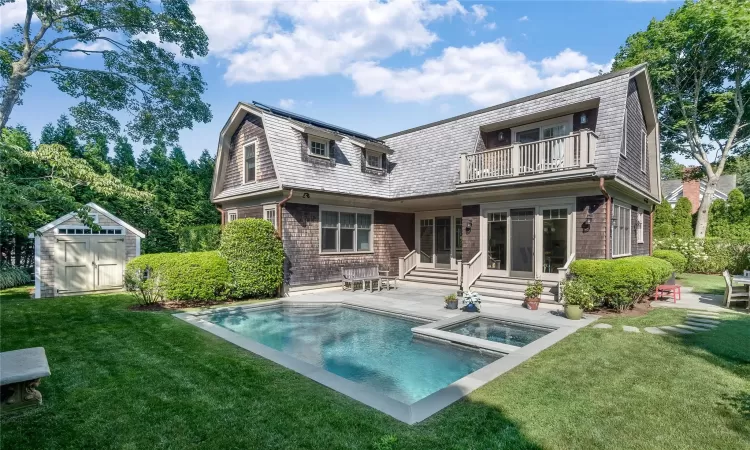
column 587, row 222
column 584, row 119
column 468, row 226
column 306, row 195
column 500, row 136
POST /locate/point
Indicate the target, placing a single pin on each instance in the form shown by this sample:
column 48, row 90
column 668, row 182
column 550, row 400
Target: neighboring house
column 673, row 190
column 493, row 197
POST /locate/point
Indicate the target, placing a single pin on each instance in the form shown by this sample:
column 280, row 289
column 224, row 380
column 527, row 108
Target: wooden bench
column 20, row 374
column 366, row 275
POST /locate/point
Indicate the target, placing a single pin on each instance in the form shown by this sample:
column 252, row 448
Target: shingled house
column 487, row 199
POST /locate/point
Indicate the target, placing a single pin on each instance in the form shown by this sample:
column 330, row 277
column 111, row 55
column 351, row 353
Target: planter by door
column 532, row 303
column 573, row 312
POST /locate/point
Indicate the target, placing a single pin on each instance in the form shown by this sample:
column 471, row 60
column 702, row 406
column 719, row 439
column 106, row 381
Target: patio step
column 490, row 294
column 422, row 273
column 516, row 281
column 423, row 269
column 482, row 283
column 428, row 280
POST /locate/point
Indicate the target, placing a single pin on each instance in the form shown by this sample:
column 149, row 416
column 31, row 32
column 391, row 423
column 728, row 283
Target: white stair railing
column 407, row 263
column 471, row 271
column 562, row 273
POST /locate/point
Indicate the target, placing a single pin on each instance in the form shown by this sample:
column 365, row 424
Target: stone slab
column 23, row 365
column 692, row 328
column 701, row 320
column 654, row 330
column 676, row 330
column 629, row 329
column 706, row 326
column 703, row 316
column 603, row 325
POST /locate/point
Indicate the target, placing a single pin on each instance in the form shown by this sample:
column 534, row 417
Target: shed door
column 108, row 255
column 73, row 268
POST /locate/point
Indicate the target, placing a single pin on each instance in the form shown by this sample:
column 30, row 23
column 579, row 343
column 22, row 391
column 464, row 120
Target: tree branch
column 52, row 67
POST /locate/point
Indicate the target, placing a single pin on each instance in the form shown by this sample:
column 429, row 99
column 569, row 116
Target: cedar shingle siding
column 590, row 240
column 630, row 165
column 470, row 239
column 393, row 238
column 251, row 128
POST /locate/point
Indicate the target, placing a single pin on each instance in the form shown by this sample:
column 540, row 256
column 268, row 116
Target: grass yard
column 702, row 284
column 124, row 379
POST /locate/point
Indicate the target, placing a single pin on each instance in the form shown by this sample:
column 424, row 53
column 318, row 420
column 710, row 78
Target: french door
column 439, row 239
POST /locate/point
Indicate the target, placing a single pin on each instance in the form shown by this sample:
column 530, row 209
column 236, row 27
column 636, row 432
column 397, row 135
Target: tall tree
column 63, row 133
column 699, row 63
column 123, row 161
column 663, row 220
column 134, row 74
column 682, row 218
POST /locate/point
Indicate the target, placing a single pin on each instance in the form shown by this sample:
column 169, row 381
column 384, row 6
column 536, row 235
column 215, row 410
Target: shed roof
column 96, row 208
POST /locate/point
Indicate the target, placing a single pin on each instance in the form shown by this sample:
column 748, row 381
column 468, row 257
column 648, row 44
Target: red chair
column 670, row 288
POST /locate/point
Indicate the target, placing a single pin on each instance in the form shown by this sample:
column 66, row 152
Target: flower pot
column 451, row 305
column 532, row 303
column 573, row 312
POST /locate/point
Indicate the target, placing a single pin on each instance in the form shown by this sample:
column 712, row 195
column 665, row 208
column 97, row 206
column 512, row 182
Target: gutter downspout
column 608, row 215
column 221, row 211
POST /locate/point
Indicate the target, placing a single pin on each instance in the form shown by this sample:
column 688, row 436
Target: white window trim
column 629, row 232
column 254, row 142
column 311, row 138
column 566, row 120
column 231, row 212
column 266, row 209
column 340, row 209
column 368, row 153
column 624, row 149
column 639, row 230
column 84, row 227
column 644, row 150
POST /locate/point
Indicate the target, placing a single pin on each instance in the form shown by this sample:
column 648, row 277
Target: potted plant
column 533, row 293
column 577, row 295
column 451, row 301
column 472, row 302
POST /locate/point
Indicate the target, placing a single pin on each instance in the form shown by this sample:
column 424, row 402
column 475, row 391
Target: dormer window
column 318, row 147
column 374, row 160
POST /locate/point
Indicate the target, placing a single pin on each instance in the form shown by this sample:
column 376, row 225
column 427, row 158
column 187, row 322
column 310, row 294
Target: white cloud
column 491, row 26
column 286, row 103
column 280, row 40
column 523, row 19
column 13, row 13
column 480, row 12
column 95, row 46
column 487, row 74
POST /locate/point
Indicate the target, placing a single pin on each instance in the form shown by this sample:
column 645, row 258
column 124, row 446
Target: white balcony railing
column 576, row 150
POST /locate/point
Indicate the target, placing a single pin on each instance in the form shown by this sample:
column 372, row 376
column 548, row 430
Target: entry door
column 443, row 242
column 73, row 268
column 522, row 229
column 107, row 254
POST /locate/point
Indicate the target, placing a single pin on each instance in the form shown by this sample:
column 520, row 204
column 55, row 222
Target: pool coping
column 409, row 414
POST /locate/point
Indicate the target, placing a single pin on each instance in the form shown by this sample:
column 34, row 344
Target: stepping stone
column 701, row 320
column 654, row 330
column 704, row 315
column 676, row 330
column 630, row 329
column 708, row 326
column 602, row 325
column 701, row 311
column 693, row 328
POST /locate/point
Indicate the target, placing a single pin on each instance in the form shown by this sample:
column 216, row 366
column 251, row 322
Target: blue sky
column 379, row 68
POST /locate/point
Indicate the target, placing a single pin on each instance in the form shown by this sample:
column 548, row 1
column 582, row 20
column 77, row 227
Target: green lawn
column 136, row 380
column 703, row 284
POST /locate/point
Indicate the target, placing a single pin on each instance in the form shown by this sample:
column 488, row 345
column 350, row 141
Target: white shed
column 71, row 258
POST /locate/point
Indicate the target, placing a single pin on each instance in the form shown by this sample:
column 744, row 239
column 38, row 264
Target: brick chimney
column 691, row 188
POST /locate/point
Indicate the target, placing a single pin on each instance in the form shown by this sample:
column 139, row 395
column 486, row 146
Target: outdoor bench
column 20, row 374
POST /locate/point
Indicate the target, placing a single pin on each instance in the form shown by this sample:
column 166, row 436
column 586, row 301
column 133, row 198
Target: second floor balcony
column 557, row 157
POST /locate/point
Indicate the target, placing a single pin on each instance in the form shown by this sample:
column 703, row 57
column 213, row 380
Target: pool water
column 375, row 350
column 499, row 331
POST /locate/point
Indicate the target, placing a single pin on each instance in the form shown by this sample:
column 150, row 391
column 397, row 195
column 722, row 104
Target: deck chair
column 732, row 293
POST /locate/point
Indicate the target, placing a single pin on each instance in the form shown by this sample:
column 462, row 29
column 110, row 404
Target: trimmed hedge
column 679, row 262
column 187, row 276
column 709, row 255
column 200, row 238
column 255, row 256
column 620, row 283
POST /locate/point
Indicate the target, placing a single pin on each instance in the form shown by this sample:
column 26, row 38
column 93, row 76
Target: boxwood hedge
column 619, row 283
column 679, row 262
column 255, row 256
column 187, row 276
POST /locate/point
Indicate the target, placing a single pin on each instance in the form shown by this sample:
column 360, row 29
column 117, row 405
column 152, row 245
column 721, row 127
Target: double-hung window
column 269, row 213
column 345, row 231
column 639, row 230
column 231, row 216
column 374, row 160
column 621, row 229
column 250, row 161
column 317, row 146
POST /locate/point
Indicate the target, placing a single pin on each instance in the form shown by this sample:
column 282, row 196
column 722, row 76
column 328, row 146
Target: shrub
column 679, row 262
column 578, row 292
column 255, row 256
column 663, row 220
column 619, row 283
column 710, row 255
column 186, row 276
column 201, row 238
column 12, row 276
column 682, row 218
column 145, row 285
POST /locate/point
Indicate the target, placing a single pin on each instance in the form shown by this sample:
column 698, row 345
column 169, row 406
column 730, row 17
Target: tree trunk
column 10, row 97
column 702, row 219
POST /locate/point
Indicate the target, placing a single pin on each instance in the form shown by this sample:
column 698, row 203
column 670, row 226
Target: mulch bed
column 177, row 305
column 639, row 309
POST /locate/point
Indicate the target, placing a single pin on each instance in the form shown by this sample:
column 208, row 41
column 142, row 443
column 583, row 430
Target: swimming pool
column 499, row 331
column 372, row 349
